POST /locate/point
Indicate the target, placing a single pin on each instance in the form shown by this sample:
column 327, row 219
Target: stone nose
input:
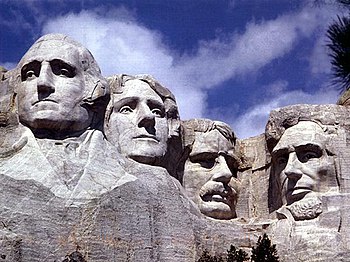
column 45, row 80
column 222, row 172
column 293, row 169
column 145, row 117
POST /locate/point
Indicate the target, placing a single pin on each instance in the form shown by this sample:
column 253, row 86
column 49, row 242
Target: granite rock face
column 96, row 169
column 313, row 210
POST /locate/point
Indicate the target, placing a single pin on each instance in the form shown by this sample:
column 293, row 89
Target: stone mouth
column 146, row 137
column 297, row 193
column 44, row 100
column 298, row 190
column 215, row 195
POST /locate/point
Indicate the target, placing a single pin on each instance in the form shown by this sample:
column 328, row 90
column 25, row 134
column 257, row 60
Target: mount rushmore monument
column 103, row 169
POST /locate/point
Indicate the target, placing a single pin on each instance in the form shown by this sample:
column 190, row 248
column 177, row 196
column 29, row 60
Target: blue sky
column 233, row 60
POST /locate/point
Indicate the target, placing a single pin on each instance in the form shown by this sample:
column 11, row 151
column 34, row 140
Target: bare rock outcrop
column 103, row 169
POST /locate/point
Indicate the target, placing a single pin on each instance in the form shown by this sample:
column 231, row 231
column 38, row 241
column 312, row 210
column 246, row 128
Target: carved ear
column 14, row 79
column 173, row 127
column 101, row 89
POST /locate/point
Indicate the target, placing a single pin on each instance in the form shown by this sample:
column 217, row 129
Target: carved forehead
column 212, row 141
column 53, row 49
column 118, row 82
column 53, row 45
column 205, row 125
column 305, row 132
column 139, row 89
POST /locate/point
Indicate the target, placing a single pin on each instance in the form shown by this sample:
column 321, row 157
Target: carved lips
column 297, row 193
column 44, row 100
column 297, row 188
column 217, row 192
column 147, row 137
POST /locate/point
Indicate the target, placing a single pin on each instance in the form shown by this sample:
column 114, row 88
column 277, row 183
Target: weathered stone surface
column 71, row 188
column 254, row 178
column 142, row 121
column 209, row 170
column 319, row 233
column 344, row 99
column 146, row 219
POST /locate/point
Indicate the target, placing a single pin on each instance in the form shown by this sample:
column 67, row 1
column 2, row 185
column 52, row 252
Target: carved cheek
column 162, row 129
column 236, row 185
column 198, row 175
column 313, row 169
column 26, row 91
column 327, row 173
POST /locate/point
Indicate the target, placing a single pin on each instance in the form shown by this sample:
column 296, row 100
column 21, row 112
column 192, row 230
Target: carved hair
column 205, row 125
column 97, row 91
column 190, row 127
column 282, row 119
column 8, row 109
column 117, row 83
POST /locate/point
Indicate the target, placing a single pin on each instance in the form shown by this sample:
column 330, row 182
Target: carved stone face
column 301, row 162
column 209, row 175
column 138, row 125
column 52, row 88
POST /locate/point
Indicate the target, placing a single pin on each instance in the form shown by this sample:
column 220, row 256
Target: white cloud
column 253, row 122
column 320, row 62
column 122, row 45
column 8, row 65
column 223, row 59
column 231, row 4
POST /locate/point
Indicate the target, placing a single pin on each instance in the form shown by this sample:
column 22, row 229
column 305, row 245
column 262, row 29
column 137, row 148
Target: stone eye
column 30, row 74
column 207, row 163
column 157, row 112
column 30, row 71
column 282, row 160
column 60, row 68
column 65, row 72
column 306, row 156
column 125, row 110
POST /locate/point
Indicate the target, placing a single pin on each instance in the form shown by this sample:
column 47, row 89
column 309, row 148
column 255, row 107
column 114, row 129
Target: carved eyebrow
column 62, row 62
column 155, row 103
column 30, row 63
column 230, row 157
column 34, row 65
column 56, row 60
column 202, row 155
column 127, row 100
column 279, row 152
column 231, row 161
column 298, row 148
column 152, row 104
column 312, row 147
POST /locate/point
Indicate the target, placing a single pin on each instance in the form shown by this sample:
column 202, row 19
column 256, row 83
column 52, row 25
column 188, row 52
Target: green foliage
column 339, row 35
column 344, row 2
column 264, row 251
column 206, row 257
column 76, row 256
column 234, row 255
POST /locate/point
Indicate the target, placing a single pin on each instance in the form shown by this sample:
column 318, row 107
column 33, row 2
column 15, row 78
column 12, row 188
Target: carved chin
column 305, row 209
column 144, row 151
column 146, row 157
column 217, row 210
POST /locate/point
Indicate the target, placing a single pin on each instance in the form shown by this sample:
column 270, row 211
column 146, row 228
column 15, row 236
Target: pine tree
column 264, row 251
column 344, row 2
column 339, row 35
column 206, row 257
column 234, row 255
